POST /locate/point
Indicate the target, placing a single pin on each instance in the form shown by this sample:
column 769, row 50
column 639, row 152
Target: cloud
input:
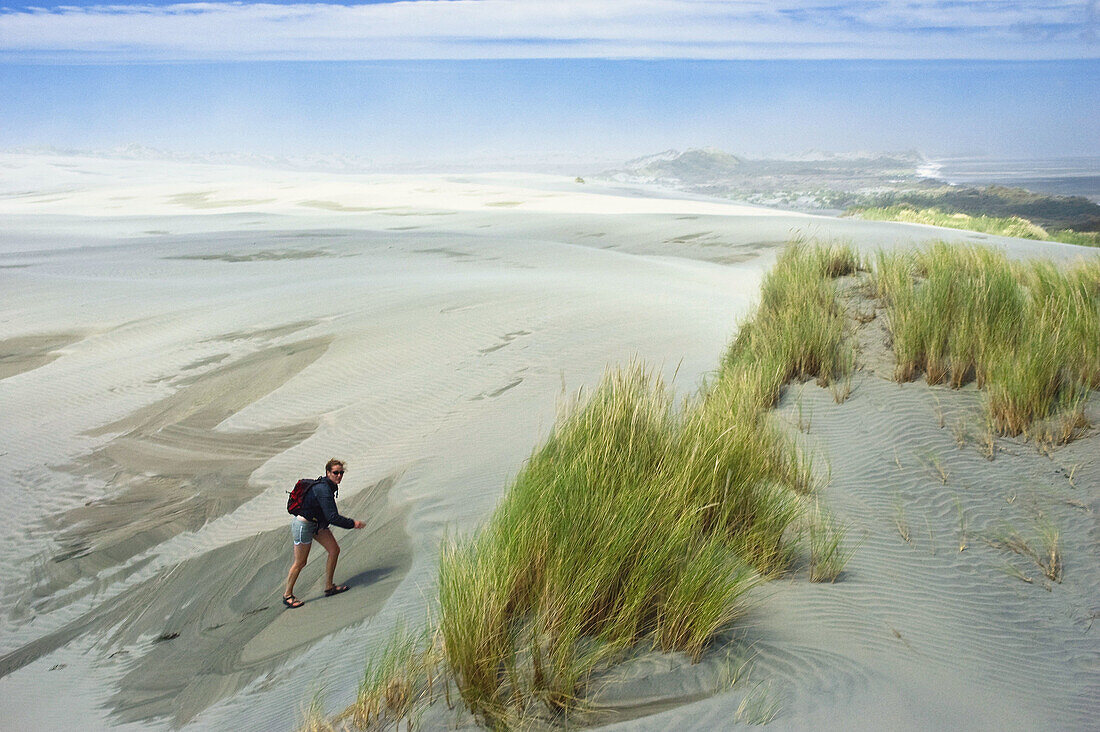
column 481, row 29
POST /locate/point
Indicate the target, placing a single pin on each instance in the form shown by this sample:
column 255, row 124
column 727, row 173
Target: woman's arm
column 327, row 503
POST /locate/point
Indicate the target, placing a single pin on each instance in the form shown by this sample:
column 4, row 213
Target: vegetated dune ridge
column 179, row 364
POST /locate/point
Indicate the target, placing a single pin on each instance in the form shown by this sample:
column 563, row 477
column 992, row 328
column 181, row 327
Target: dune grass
column 997, row 225
column 760, row 705
column 798, row 331
column 397, row 680
column 1027, row 333
column 1080, row 238
column 313, row 717
column 1015, row 226
column 828, row 554
column 1047, row 557
column 635, row 521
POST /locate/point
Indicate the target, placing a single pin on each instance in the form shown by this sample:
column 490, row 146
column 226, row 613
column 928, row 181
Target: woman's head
column 334, row 469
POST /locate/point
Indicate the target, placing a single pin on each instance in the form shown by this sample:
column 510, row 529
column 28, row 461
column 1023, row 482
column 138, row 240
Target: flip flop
column 292, row 602
column 336, row 590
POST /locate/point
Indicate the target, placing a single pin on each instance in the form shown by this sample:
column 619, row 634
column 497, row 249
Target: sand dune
column 181, row 342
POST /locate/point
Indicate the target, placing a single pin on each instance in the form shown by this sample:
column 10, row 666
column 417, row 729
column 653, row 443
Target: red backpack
column 298, row 495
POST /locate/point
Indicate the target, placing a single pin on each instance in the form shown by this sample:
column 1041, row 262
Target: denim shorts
column 302, row 531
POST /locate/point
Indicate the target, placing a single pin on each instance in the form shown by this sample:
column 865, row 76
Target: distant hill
column 812, row 180
column 697, row 166
column 712, row 167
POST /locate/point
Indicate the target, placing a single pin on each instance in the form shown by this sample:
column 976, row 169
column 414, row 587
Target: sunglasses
column 337, row 472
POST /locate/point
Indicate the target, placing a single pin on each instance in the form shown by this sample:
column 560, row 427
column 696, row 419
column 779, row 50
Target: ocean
column 1077, row 176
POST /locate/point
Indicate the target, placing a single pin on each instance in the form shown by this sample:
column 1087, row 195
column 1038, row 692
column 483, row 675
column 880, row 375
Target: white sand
column 181, row 342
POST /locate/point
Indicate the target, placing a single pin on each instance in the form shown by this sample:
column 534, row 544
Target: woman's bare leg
column 301, row 553
column 328, row 541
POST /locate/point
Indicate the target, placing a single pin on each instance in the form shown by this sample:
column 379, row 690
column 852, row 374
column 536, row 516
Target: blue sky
column 424, row 79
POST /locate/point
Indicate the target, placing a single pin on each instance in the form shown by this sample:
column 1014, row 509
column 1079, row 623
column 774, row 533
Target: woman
column 317, row 513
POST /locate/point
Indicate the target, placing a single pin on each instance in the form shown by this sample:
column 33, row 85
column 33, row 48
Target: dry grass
column 938, row 467
column 804, row 421
column 900, row 522
column 987, row 441
column 761, row 705
column 1050, row 560
column 960, row 432
column 963, row 543
column 397, row 680
column 1045, row 550
column 314, row 718
column 1016, row 572
column 828, row 556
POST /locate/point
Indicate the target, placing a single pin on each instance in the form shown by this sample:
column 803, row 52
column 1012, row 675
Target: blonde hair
column 332, row 463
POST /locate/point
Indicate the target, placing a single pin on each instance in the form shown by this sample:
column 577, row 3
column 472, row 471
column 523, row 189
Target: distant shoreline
column 1063, row 176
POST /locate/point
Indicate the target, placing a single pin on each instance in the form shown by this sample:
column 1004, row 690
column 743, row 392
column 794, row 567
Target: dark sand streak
column 171, row 470
column 26, row 353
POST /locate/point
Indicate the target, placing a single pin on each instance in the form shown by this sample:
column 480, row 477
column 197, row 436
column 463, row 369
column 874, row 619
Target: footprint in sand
column 504, row 341
column 497, row 392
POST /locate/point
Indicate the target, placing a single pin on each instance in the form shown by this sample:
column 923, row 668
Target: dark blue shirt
column 320, row 506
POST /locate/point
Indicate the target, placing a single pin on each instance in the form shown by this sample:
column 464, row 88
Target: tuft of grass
column 960, row 431
column 804, row 421
column 1050, row 560
column 938, row 466
column 736, row 666
column 828, row 556
column 635, row 520
column 963, row 543
column 841, row 390
column 313, row 715
column 1028, row 334
column 759, row 706
column 799, row 329
column 1072, row 474
column 1016, row 572
column 900, row 522
column 395, row 681
column 987, row 441
column 1048, row 557
column 836, row 259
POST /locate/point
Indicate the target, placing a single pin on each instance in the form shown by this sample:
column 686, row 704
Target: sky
column 423, row 80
